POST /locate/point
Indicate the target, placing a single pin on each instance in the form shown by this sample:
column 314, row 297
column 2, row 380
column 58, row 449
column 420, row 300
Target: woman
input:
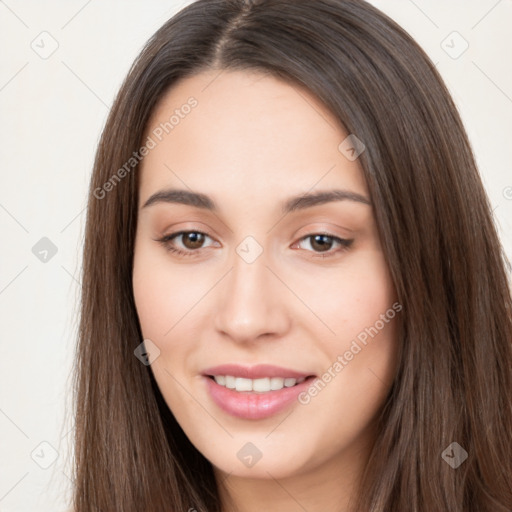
column 294, row 296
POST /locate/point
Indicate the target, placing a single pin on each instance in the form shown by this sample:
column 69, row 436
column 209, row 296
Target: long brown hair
column 454, row 378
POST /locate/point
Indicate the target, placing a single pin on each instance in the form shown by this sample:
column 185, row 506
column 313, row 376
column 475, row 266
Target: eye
column 191, row 241
column 321, row 243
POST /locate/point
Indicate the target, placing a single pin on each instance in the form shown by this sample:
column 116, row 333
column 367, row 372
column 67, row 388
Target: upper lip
column 258, row 371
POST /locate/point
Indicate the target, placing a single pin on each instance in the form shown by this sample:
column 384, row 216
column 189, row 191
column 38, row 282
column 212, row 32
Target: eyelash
column 166, row 242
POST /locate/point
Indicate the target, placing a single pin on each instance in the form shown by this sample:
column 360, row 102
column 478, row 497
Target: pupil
column 320, row 240
column 194, row 240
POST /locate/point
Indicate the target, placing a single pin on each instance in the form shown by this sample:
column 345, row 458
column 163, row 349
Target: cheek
column 368, row 329
column 347, row 299
column 163, row 298
column 366, row 302
column 170, row 304
column 360, row 307
column 162, row 295
column 359, row 371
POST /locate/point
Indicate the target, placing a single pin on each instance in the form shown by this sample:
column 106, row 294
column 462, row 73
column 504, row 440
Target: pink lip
column 254, row 372
column 250, row 404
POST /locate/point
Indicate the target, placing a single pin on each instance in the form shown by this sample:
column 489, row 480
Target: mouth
column 256, row 392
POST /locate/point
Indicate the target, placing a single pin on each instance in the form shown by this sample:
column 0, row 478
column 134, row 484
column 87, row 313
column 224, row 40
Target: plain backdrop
column 62, row 64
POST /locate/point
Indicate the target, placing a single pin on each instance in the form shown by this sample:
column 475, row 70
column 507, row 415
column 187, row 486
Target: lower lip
column 251, row 405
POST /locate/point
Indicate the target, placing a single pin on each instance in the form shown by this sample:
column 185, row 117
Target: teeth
column 276, row 383
column 262, row 385
column 220, row 379
column 230, row 382
column 243, row 384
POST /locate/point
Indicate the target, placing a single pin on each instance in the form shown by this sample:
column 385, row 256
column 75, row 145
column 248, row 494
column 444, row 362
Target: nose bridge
column 249, row 304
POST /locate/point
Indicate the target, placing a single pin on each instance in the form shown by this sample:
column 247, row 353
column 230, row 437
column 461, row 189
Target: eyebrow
column 300, row 202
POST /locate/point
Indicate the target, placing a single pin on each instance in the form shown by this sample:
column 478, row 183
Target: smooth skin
column 251, row 142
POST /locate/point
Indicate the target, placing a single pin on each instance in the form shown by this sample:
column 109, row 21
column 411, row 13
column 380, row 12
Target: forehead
column 249, row 133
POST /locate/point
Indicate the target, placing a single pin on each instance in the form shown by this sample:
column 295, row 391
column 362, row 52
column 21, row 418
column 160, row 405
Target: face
column 268, row 295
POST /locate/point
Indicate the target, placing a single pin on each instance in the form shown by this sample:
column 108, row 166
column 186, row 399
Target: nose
column 251, row 303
